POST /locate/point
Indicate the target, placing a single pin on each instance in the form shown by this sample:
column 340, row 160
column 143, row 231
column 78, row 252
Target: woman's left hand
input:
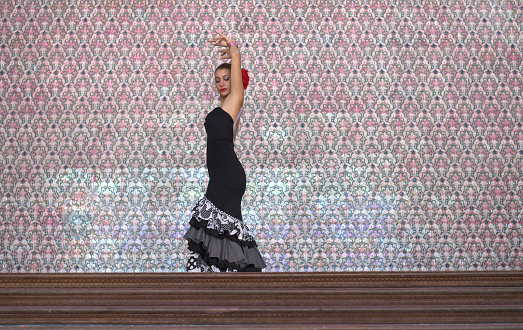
column 221, row 40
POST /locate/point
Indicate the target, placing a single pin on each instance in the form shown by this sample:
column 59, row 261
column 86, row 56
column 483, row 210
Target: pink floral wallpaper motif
column 377, row 136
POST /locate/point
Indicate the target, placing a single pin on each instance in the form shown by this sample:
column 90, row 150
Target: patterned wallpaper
column 377, row 135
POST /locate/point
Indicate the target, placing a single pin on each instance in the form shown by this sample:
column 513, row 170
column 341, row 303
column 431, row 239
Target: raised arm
column 234, row 101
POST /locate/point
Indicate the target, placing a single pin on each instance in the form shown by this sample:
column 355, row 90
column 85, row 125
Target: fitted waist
column 220, row 150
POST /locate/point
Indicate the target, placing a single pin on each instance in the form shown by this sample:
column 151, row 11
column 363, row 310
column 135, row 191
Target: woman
column 218, row 240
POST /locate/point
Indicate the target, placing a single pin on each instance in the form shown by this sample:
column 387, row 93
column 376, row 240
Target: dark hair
column 223, row 66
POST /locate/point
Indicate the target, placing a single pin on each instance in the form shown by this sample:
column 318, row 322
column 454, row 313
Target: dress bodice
column 218, row 117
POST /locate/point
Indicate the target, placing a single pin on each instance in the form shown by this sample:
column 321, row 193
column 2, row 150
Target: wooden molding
column 275, row 299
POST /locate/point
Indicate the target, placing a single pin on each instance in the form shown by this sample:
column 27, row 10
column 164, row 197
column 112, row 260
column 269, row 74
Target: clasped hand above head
column 221, row 40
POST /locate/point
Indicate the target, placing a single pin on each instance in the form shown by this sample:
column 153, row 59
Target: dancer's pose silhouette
column 218, row 240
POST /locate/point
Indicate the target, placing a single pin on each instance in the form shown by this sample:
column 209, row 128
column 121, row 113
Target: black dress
column 218, row 240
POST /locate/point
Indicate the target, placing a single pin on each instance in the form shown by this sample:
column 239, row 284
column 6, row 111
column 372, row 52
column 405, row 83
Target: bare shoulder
column 232, row 105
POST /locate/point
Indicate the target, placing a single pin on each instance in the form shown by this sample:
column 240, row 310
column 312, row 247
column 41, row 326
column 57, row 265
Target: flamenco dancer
column 218, row 240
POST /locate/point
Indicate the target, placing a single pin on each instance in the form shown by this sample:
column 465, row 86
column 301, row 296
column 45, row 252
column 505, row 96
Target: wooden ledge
column 276, row 299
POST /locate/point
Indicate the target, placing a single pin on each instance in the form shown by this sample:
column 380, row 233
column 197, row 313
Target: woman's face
column 222, row 80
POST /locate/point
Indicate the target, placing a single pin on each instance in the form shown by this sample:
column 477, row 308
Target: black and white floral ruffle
column 220, row 242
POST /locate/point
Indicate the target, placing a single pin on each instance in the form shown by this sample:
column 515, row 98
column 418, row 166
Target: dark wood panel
column 261, row 297
column 480, row 298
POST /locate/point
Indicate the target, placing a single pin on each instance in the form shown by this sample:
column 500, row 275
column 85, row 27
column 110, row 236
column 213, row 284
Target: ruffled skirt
column 219, row 242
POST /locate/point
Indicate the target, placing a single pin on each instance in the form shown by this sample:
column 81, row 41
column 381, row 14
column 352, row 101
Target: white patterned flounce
column 220, row 242
column 207, row 215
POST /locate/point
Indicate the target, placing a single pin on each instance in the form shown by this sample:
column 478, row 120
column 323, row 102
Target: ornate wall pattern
column 377, row 135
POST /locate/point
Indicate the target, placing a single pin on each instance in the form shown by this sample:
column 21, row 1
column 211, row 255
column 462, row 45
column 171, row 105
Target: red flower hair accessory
column 245, row 78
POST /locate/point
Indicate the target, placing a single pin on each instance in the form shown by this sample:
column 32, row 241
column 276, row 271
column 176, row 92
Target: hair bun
column 245, row 78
